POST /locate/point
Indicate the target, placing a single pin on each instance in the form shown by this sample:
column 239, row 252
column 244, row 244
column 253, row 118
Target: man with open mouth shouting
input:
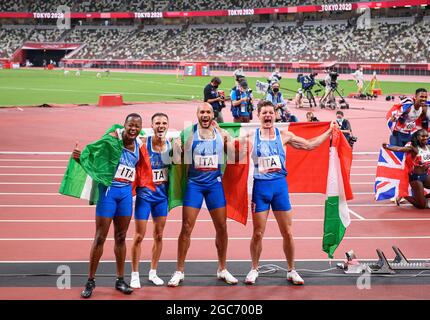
column 154, row 202
column 204, row 152
column 270, row 189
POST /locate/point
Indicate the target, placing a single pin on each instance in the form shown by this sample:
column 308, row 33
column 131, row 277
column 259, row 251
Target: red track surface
column 27, row 200
column 281, row 292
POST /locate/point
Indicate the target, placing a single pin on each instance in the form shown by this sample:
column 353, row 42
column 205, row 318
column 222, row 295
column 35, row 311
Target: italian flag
column 98, row 164
column 336, row 213
column 308, row 172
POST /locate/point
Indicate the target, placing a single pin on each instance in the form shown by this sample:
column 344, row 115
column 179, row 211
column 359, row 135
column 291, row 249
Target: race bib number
column 269, row 164
column 206, row 162
column 125, row 173
column 243, row 109
column 160, row 175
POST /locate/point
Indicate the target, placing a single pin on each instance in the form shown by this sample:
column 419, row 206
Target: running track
column 37, row 224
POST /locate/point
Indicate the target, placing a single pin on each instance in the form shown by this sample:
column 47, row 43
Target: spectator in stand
column 215, row 98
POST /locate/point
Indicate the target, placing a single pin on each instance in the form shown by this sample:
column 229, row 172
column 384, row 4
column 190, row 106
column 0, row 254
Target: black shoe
column 89, row 287
column 122, row 286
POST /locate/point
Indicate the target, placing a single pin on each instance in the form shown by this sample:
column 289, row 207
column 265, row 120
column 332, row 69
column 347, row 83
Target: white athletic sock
column 152, row 272
column 154, row 278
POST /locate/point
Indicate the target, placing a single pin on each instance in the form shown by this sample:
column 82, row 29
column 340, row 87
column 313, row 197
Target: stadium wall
column 415, row 69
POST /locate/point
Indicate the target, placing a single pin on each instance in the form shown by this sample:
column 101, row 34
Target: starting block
column 382, row 266
column 110, row 100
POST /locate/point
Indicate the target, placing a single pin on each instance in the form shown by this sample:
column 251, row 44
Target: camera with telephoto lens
column 333, row 78
column 352, row 140
column 221, row 94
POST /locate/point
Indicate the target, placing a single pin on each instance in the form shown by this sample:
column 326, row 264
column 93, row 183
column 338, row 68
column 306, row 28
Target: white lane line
column 30, row 183
column 43, row 206
column 281, row 258
column 33, row 167
column 88, row 206
column 98, row 92
column 68, row 153
column 210, row 220
column 230, row 238
column 33, row 174
column 33, row 160
column 64, row 167
column 366, row 153
column 29, row 194
column 356, row 214
column 58, row 194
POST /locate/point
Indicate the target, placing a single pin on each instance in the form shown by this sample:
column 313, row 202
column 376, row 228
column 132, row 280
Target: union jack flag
column 391, row 175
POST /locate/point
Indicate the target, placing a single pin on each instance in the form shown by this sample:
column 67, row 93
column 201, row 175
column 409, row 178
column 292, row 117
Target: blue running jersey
column 160, row 162
column 207, row 157
column 126, row 170
column 269, row 157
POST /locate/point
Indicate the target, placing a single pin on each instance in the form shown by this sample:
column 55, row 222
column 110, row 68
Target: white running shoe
column 252, row 276
column 226, row 276
column 177, row 278
column 135, row 280
column 154, row 278
column 294, row 277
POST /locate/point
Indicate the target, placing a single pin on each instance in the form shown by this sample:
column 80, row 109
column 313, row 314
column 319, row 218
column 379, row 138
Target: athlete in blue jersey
column 115, row 204
column 148, row 201
column 204, row 152
column 270, row 189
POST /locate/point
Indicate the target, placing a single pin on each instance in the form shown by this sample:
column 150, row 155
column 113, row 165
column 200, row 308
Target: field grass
column 35, row 87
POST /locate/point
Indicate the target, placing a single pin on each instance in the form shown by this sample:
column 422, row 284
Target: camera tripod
column 332, row 99
column 310, row 96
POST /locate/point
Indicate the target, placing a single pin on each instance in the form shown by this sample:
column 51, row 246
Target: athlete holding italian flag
column 267, row 148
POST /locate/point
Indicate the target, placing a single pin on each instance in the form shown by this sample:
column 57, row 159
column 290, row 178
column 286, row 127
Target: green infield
column 35, row 87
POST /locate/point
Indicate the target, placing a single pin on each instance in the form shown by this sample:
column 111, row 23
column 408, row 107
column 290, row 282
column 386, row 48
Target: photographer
column 239, row 75
column 298, row 99
column 215, row 98
column 241, row 102
column 345, row 128
column 276, row 98
column 307, row 83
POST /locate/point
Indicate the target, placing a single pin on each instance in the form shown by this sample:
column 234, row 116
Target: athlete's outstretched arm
column 406, row 149
column 306, row 144
column 229, row 142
